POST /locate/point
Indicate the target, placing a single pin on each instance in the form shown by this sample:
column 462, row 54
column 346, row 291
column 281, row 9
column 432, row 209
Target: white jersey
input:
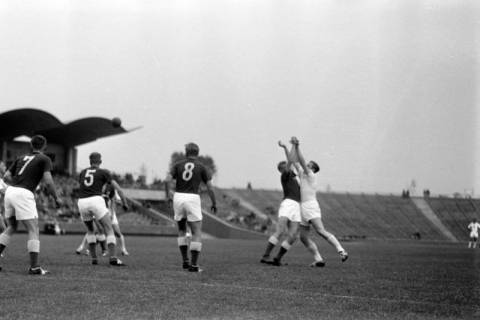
column 473, row 227
column 308, row 186
column 3, row 186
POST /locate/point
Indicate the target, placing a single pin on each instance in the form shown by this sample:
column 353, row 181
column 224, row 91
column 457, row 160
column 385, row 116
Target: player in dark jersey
column 288, row 213
column 188, row 174
column 24, row 175
column 92, row 206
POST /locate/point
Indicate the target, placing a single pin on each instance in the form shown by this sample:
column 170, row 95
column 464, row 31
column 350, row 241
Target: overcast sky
column 378, row 92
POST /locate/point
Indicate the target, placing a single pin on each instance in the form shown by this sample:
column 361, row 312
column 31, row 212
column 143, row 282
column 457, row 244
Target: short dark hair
column 95, row 157
column 38, row 142
column 281, row 163
column 191, row 149
column 315, row 166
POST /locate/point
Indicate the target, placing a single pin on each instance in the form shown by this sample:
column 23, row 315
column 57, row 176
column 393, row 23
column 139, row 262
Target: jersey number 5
column 188, row 172
column 88, row 181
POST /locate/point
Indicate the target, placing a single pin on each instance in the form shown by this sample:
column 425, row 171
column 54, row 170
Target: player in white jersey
column 3, row 188
column 473, row 227
column 310, row 209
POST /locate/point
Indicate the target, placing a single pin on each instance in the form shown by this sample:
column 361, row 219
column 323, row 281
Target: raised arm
column 298, row 153
column 288, row 154
column 48, row 180
column 120, row 192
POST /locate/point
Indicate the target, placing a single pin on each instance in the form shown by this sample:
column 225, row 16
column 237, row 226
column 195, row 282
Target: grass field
column 381, row 280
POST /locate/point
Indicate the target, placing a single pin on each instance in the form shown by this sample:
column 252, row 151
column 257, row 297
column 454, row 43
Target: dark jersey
column 92, row 181
column 291, row 188
column 189, row 173
column 27, row 171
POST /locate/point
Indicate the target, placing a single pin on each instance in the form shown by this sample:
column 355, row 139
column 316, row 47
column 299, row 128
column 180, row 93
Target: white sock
column 273, row 240
column 122, row 243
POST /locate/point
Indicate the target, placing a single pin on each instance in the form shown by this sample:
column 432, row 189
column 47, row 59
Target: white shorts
column 20, row 203
column 290, row 209
column 92, row 208
column 310, row 210
column 187, row 205
column 474, row 236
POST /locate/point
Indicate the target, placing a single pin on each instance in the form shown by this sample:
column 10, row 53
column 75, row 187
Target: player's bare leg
column 7, row 234
column 311, row 246
column 91, row 240
column 292, row 236
column 82, row 245
column 106, row 223
column 195, row 245
column 274, row 238
column 33, row 246
column 320, row 229
column 121, row 238
column 182, row 242
column 101, row 237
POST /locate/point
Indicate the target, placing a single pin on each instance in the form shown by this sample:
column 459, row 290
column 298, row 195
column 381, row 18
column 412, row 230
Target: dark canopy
column 33, row 121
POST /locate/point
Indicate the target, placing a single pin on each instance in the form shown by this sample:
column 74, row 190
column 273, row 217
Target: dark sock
column 280, row 254
column 2, row 247
column 195, row 254
column 111, row 250
column 268, row 250
column 103, row 245
column 184, row 252
column 93, row 250
column 33, row 259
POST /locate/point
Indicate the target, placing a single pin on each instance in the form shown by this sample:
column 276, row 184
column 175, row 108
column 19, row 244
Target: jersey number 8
column 188, row 172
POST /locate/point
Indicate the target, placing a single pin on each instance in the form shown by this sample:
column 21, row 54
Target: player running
column 110, row 195
column 188, row 173
column 92, row 206
column 310, row 209
column 3, row 188
column 288, row 213
column 24, row 175
column 473, row 227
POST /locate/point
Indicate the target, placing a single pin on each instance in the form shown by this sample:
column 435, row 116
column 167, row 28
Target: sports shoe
column 125, row 252
column 104, row 253
column 277, row 262
column 319, row 264
column 38, row 271
column 266, row 261
column 117, row 262
column 195, row 269
column 344, row 255
column 94, row 261
column 186, row 265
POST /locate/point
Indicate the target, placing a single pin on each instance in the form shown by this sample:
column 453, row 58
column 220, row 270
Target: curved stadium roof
column 29, row 122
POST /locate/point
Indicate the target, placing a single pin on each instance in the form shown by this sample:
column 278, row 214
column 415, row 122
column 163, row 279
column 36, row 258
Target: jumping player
column 288, row 213
column 24, row 176
column 92, row 206
column 310, row 209
column 188, row 174
column 473, row 227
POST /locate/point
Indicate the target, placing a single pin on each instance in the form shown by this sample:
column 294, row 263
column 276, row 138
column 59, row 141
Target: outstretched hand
column 294, row 141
